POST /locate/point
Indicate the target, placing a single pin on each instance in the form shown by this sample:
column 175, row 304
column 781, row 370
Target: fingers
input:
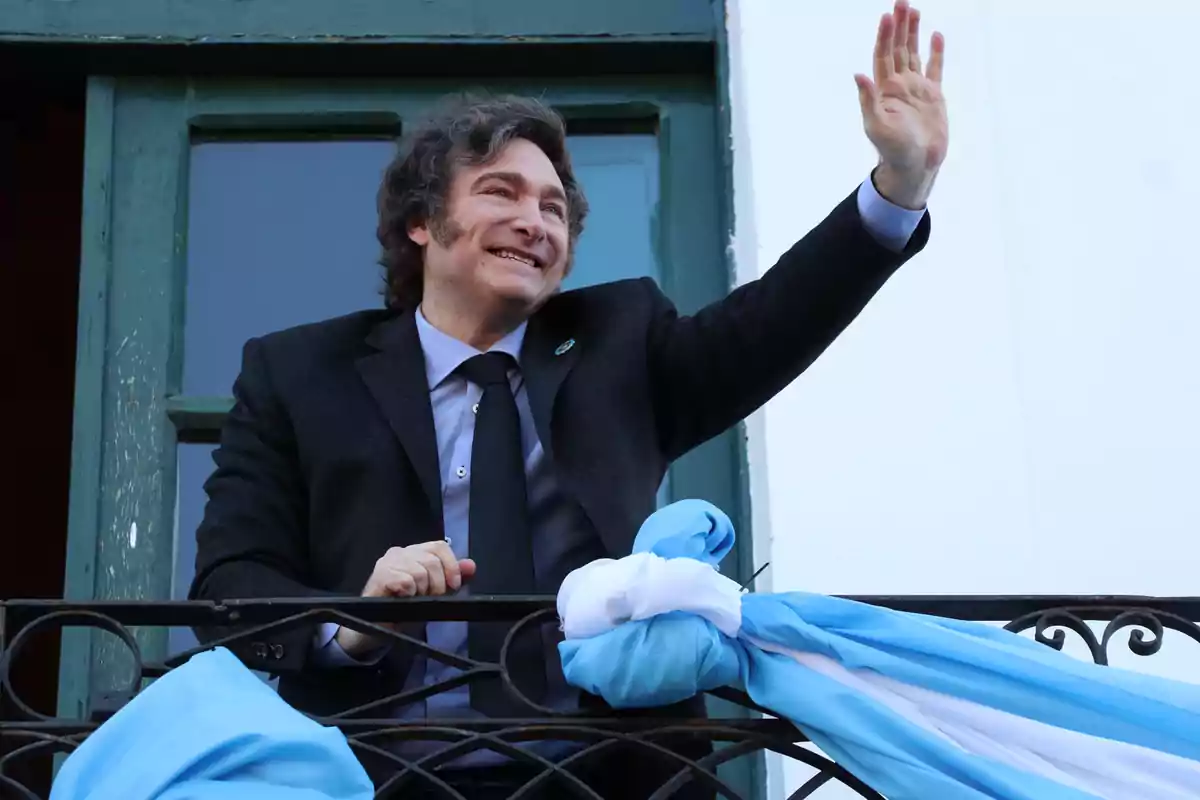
column 900, row 37
column 885, row 66
column 431, row 577
column 387, row 580
column 867, row 96
column 397, row 583
column 448, row 565
column 897, row 45
column 429, row 568
column 466, row 568
column 914, row 40
column 937, row 57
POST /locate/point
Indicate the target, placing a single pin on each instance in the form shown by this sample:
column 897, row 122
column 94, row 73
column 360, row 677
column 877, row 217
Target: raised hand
column 904, row 111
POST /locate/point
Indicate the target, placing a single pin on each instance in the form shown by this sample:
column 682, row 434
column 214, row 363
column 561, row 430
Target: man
column 485, row 431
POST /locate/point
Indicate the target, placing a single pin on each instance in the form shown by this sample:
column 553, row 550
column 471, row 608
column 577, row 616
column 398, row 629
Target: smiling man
column 485, row 432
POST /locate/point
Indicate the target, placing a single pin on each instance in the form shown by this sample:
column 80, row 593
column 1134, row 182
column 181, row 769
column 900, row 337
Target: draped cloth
column 916, row 706
column 212, row 730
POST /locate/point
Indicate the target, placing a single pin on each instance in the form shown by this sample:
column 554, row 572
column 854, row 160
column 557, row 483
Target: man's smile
column 521, row 256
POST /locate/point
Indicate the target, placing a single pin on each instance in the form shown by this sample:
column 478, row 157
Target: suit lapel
column 396, row 377
column 547, row 356
column 551, row 350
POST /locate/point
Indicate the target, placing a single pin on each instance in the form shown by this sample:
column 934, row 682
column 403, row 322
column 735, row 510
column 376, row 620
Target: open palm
column 904, row 112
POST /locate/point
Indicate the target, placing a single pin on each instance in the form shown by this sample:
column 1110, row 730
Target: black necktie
column 499, row 537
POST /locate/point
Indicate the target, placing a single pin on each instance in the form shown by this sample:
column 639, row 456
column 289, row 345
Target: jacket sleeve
column 710, row 370
column 252, row 541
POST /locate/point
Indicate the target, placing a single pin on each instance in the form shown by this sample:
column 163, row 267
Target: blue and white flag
column 211, row 730
column 916, row 706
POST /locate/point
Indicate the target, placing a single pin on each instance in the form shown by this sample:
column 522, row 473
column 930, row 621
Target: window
column 221, row 209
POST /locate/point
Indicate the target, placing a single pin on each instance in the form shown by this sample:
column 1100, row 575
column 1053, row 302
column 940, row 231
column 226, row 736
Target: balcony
column 736, row 729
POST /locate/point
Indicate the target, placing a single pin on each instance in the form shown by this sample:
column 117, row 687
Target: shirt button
column 475, row 408
column 461, row 472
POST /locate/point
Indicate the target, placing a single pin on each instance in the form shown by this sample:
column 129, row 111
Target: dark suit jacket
column 328, row 457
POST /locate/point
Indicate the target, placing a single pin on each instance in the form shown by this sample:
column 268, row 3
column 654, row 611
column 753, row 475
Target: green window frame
column 130, row 415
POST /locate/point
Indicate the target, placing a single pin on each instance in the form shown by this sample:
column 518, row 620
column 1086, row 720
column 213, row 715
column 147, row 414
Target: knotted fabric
column 916, row 706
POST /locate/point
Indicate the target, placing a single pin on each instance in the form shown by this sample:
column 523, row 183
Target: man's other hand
column 429, row 568
column 904, row 111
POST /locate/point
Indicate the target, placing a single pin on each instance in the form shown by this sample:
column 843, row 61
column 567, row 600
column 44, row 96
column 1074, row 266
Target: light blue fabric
column 628, row 666
column 211, row 730
column 988, row 666
column 621, row 666
column 687, row 529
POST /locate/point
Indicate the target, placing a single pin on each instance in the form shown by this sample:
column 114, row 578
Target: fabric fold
column 915, row 705
column 212, row 730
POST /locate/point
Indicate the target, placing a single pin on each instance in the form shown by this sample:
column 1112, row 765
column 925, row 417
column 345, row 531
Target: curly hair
column 465, row 129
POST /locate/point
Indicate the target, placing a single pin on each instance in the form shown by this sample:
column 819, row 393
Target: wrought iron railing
column 30, row 736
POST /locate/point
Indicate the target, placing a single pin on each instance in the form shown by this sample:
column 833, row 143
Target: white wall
column 1016, row 412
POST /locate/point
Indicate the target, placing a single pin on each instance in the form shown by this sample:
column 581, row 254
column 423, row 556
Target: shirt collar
column 444, row 353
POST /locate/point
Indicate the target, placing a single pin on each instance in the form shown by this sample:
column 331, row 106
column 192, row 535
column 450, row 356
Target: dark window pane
column 620, row 176
column 283, row 233
column 279, row 234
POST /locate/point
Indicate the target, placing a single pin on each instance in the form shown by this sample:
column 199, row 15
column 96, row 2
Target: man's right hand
column 429, row 568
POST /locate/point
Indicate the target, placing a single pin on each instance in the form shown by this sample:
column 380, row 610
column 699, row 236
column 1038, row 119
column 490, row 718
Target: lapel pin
column 564, row 347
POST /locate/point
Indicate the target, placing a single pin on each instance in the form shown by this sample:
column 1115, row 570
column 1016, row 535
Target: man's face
column 503, row 245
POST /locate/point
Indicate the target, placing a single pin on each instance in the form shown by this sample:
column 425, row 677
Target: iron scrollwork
column 1147, row 627
column 28, row 736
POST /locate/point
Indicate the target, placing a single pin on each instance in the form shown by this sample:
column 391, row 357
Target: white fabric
column 1105, row 768
column 604, row 594
column 601, row 595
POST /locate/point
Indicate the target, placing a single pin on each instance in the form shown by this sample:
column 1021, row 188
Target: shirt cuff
column 328, row 653
column 891, row 225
